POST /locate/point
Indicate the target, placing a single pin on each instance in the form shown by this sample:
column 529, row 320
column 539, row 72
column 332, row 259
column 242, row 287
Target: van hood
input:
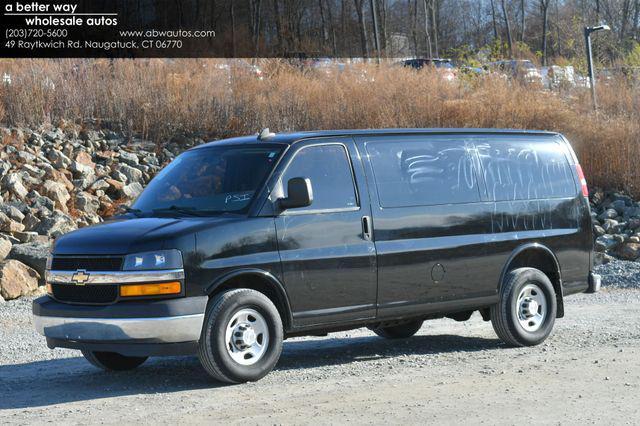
column 131, row 235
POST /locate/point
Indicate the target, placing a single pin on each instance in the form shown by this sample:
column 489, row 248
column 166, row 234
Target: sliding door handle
column 367, row 231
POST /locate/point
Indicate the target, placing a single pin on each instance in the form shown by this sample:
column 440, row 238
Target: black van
column 239, row 244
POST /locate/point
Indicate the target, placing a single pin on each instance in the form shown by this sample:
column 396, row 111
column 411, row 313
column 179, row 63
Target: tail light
column 583, row 181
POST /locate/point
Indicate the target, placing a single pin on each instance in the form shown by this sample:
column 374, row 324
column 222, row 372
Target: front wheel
column 112, row 361
column 526, row 312
column 242, row 336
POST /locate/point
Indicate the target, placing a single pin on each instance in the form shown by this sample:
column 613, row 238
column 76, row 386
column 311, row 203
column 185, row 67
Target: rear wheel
column 402, row 331
column 112, row 361
column 527, row 309
column 242, row 336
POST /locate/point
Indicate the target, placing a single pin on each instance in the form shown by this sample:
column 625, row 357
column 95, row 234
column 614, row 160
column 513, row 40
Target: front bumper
column 121, row 325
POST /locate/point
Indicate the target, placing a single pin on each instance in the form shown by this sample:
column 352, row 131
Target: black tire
column 402, row 331
column 111, row 361
column 505, row 315
column 212, row 348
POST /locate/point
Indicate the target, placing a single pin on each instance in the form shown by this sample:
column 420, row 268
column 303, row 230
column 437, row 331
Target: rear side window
column 528, row 169
column 328, row 168
column 435, row 170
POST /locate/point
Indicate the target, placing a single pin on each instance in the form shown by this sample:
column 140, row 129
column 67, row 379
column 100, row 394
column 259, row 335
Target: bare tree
column 364, row 43
column 544, row 7
column 523, row 19
column 495, row 23
column 426, row 26
column 233, row 29
column 636, row 20
column 254, row 23
column 507, row 25
column 434, row 22
column 278, row 22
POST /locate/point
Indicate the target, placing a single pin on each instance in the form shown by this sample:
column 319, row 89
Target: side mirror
column 300, row 194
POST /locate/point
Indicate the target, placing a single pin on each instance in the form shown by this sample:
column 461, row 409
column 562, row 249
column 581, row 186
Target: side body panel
column 442, row 257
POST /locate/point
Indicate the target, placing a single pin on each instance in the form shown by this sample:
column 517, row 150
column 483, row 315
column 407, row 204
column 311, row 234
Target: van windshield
column 210, row 180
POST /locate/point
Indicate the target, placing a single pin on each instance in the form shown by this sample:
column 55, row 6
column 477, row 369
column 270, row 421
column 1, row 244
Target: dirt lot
column 450, row 373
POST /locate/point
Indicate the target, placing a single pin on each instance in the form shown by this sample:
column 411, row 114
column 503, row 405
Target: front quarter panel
column 224, row 249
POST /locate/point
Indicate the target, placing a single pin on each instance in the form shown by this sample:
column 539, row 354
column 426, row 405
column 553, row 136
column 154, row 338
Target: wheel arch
column 259, row 280
column 541, row 257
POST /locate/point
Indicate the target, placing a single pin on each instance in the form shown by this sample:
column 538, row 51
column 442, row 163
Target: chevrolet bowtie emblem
column 80, row 277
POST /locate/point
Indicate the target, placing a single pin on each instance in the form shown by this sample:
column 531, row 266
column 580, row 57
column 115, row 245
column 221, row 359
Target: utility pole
column 592, row 79
column 376, row 33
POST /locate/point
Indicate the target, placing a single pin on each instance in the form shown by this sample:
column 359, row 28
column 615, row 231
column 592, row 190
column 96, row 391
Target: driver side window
column 329, row 169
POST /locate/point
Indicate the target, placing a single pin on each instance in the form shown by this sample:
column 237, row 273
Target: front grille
column 98, row 293
column 105, row 263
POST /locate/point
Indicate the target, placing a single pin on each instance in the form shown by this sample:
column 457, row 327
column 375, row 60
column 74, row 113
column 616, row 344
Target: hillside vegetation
column 164, row 99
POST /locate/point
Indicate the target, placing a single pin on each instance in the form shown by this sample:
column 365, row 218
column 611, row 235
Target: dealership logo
column 80, row 277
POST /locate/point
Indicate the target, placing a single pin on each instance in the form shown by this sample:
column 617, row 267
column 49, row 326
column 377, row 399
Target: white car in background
column 520, row 69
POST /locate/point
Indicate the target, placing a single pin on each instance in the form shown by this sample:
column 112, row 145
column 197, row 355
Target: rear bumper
column 595, row 282
column 123, row 325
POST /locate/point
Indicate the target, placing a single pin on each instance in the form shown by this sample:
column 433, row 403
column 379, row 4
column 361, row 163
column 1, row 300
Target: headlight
column 161, row 259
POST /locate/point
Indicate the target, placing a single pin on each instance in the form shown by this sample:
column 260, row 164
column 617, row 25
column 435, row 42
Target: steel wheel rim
column 532, row 307
column 247, row 336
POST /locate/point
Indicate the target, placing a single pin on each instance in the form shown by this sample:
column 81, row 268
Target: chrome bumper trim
column 185, row 328
column 114, row 277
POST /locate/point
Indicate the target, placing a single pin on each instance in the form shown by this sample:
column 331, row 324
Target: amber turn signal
column 150, row 289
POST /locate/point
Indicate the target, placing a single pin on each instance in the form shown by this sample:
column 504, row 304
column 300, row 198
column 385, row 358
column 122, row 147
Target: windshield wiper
column 178, row 209
column 192, row 211
column 128, row 209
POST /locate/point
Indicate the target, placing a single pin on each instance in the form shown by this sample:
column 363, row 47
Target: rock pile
column 616, row 226
column 55, row 180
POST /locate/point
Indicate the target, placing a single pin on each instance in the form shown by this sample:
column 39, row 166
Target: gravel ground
column 620, row 274
column 588, row 371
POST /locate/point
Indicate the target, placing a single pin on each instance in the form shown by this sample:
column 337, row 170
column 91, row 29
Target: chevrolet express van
column 239, row 244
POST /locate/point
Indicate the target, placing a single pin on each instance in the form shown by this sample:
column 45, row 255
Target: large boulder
column 5, row 248
column 12, row 211
column 629, row 251
column 82, row 171
column 58, row 193
column 9, row 225
column 13, row 182
column 58, row 159
column 56, row 224
column 132, row 190
column 17, row 279
column 84, row 158
column 32, row 254
column 607, row 214
column 132, row 174
column 87, row 203
column 129, row 158
column 605, row 242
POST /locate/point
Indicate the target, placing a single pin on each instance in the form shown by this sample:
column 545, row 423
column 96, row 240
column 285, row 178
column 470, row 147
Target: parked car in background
column 471, row 71
column 520, row 69
column 557, row 77
column 327, row 66
column 443, row 66
column 238, row 67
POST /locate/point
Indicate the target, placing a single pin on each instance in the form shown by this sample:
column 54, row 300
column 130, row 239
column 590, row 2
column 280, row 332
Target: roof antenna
column 265, row 134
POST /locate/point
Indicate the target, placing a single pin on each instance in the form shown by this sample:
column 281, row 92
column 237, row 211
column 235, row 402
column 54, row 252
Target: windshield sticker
column 234, row 198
